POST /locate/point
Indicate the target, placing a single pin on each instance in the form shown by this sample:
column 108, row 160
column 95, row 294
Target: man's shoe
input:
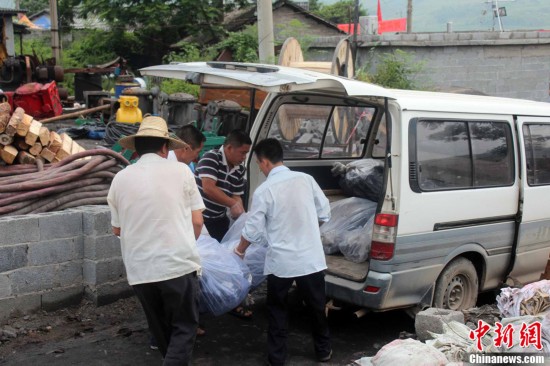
column 325, row 358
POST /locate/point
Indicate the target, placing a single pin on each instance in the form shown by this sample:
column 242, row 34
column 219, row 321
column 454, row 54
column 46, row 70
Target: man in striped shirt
column 220, row 176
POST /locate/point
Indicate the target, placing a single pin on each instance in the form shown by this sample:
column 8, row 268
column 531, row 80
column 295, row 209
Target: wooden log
column 16, row 117
column 55, row 142
column 36, row 149
column 25, row 158
column 5, row 108
column 77, row 114
column 5, row 139
column 47, row 154
column 44, row 136
column 34, row 132
column 20, row 143
column 24, row 125
column 66, row 147
column 4, row 120
column 8, row 154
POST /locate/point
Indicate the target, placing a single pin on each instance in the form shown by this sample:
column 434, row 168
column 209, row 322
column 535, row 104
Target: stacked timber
column 23, row 139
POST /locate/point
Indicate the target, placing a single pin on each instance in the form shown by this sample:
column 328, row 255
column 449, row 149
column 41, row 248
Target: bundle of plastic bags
column 255, row 254
column 349, row 230
column 362, row 178
column 225, row 279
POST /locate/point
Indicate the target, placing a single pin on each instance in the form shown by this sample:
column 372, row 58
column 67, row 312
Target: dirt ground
column 117, row 334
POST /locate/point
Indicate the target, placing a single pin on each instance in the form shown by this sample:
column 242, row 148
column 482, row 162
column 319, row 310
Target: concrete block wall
column 504, row 64
column 52, row 260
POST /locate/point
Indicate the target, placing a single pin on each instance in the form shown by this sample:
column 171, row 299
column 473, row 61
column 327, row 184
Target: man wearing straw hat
column 156, row 209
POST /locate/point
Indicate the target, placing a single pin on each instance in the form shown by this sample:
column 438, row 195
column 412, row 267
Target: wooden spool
column 342, row 64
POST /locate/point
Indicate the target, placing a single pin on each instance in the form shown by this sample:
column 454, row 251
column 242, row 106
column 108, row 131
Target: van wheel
column 457, row 286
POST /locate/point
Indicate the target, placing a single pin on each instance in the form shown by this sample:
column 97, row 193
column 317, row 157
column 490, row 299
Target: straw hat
column 152, row 127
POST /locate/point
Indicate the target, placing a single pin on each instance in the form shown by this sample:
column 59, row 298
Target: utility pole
column 409, row 16
column 54, row 28
column 266, row 40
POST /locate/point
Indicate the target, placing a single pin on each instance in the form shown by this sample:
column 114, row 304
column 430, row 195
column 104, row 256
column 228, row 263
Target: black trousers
column 172, row 311
column 217, row 228
column 312, row 288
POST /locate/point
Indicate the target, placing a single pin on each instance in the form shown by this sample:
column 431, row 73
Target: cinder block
column 61, row 224
column 69, row 273
column 5, row 286
column 109, row 292
column 31, row 279
column 12, row 257
column 96, row 220
column 103, row 271
column 19, row 229
column 19, row 305
column 63, row 297
column 432, row 320
column 101, row 247
column 55, row 251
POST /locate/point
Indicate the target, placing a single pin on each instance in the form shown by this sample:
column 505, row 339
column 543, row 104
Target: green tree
column 157, row 24
column 395, row 70
column 34, row 6
column 314, row 5
column 339, row 12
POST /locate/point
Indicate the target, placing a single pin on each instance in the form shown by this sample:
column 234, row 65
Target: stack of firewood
column 23, row 139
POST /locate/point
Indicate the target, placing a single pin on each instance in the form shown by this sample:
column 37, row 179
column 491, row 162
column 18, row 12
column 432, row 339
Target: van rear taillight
column 372, row 289
column 383, row 237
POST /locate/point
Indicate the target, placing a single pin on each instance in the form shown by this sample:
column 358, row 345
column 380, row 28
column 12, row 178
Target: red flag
column 379, row 12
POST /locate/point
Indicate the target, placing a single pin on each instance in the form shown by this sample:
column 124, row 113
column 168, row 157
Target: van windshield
column 311, row 131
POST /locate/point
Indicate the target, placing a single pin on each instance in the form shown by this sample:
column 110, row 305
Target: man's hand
column 236, row 210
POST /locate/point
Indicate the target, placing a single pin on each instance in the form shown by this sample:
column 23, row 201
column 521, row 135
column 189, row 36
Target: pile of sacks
column 226, row 279
column 453, row 345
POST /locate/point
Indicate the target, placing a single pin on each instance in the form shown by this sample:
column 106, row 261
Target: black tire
column 457, row 286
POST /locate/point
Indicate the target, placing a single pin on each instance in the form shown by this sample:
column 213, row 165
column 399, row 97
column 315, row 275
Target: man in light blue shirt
column 287, row 208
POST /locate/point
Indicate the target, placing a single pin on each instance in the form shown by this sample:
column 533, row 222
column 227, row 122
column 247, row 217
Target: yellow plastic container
column 129, row 111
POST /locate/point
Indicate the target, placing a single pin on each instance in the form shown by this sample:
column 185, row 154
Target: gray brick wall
column 507, row 64
column 55, row 259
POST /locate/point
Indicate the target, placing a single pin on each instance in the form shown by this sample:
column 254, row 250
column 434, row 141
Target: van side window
column 463, row 154
column 308, row 131
column 537, row 152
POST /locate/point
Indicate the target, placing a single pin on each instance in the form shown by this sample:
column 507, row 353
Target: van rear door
column 268, row 78
column 533, row 246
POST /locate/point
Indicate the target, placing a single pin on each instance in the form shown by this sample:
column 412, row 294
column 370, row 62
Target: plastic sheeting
column 362, row 178
column 349, row 230
column 225, row 279
column 255, row 254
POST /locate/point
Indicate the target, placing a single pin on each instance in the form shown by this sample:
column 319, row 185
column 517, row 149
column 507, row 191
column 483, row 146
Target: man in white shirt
column 195, row 140
column 287, row 209
column 156, row 209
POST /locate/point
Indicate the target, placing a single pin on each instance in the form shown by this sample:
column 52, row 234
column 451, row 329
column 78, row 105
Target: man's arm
column 214, row 193
column 196, row 218
column 240, row 249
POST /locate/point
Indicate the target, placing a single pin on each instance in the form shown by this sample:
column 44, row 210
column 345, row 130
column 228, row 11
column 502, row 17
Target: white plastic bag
column 255, row 254
column 225, row 280
column 408, row 352
column 347, row 216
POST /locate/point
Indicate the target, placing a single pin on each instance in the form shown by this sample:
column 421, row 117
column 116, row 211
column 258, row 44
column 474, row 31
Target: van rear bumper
column 352, row 292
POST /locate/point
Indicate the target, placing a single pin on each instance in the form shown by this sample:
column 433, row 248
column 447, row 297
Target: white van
column 465, row 202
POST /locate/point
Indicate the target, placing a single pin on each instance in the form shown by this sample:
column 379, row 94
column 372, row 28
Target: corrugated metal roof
column 11, row 11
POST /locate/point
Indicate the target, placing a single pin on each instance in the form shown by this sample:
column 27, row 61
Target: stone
column 432, row 320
